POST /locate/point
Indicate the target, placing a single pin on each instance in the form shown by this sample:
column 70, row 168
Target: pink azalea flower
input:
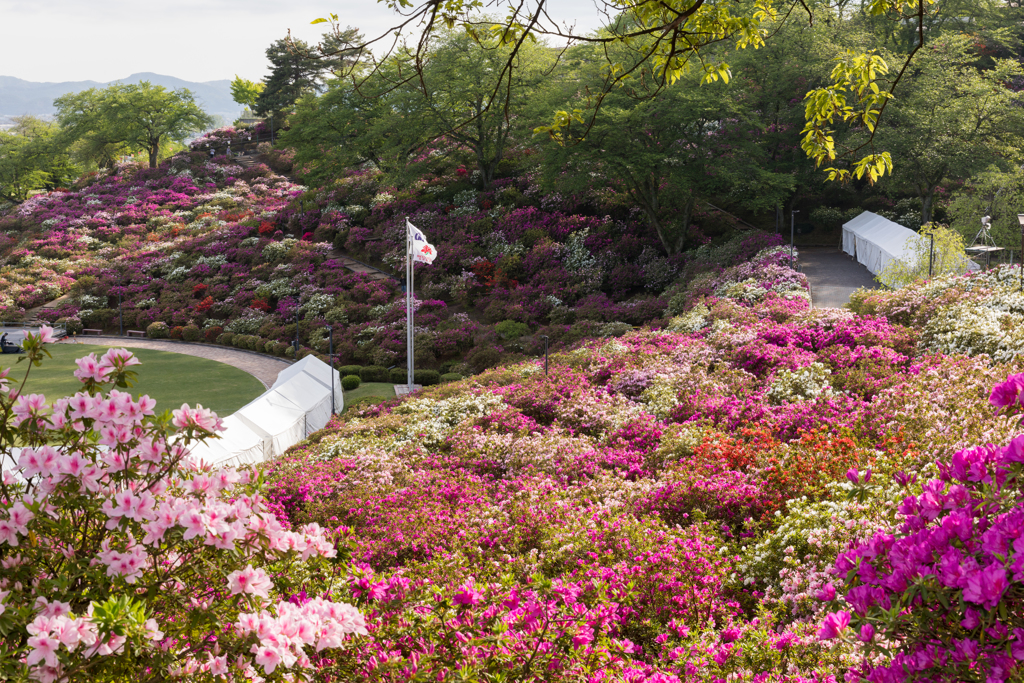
column 834, row 624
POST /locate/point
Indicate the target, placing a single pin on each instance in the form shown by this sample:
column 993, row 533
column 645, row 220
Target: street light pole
column 330, row 353
column 792, row 237
column 931, row 255
column 1020, row 219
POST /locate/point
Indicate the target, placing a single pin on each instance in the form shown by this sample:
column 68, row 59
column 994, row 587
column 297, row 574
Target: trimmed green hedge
column 374, row 373
column 350, row 382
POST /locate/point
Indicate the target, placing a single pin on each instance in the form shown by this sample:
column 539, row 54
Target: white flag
column 422, row 250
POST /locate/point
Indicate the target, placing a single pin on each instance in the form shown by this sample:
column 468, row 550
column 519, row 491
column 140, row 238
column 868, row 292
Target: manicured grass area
column 383, row 390
column 169, row 378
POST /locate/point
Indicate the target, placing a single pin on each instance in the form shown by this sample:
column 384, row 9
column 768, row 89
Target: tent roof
column 271, row 414
column 304, row 391
column 311, row 365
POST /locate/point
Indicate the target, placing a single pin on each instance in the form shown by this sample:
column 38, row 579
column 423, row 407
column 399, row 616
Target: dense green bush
column 158, row 330
column 510, row 329
column 191, row 333
column 398, row 375
column 226, row 338
column 450, row 377
column 426, row 377
column 350, row 382
column 374, row 373
column 349, row 370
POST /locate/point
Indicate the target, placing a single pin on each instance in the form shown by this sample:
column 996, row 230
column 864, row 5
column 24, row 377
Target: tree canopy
column 128, row 118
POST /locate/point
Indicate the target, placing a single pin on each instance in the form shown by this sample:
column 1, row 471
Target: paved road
column 833, row 276
column 263, row 368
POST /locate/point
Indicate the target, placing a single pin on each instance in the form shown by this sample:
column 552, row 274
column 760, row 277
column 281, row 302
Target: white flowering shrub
column 800, row 384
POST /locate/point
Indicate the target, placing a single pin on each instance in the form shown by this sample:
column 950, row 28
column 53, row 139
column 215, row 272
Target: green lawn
column 169, row 378
column 383, row 390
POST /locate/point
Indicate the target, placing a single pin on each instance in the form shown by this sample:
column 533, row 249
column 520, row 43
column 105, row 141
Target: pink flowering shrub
column 942, row 597
column 123, row 559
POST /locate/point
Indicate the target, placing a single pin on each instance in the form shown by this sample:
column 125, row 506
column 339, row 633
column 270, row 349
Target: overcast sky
column 196, row 40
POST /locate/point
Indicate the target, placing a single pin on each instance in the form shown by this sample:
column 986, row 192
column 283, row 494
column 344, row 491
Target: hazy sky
column 196, row 40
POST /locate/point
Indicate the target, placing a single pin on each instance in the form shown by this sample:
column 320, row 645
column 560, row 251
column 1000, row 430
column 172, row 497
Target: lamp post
column 545, row 338
column 1020, row 219
column 931, row 255
column 330, row 354
column 792, row 237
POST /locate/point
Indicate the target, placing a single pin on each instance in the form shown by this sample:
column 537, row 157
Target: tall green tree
column 669, row 152
column 347, row 127
column 464, row 94
column 32, row 158
column 952, row 119
column 246, row 92
column 297, row 68
column 129, row 118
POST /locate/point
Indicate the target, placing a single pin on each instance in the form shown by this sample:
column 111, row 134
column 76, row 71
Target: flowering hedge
column 122, row 559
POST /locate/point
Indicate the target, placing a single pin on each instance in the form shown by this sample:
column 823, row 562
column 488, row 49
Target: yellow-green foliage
column 947, row 257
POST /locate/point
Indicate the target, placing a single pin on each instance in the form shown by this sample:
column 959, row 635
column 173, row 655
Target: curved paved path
column 263, row 368
column 833, row 276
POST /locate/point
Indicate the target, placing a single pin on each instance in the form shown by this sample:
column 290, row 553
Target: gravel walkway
column 833, row 276
column 263, row 368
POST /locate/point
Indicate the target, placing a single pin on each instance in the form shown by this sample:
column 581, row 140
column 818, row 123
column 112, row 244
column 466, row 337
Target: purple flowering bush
column 941, row 596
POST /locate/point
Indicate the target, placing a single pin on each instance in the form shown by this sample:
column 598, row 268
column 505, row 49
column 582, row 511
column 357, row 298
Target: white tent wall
column 876, row 241
column 321, row 372
column 311, row 396
column 851, row 229
column 275, row 417
column 297, row 405
column 237, row 445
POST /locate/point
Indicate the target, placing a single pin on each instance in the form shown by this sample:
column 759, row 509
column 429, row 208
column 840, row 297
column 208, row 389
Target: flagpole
column 408, row 305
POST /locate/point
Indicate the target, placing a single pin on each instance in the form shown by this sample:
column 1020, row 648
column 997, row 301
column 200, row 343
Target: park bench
column 91, row 331
column 136, row 333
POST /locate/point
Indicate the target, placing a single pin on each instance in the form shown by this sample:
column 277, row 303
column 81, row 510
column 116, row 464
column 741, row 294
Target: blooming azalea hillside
column 203, row 249
column 758, row 492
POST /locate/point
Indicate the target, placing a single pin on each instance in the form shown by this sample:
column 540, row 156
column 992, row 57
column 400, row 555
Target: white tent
column 237, row 445
column 313, row 397
column 875, row 241
column 321, row 372
column 274, row 417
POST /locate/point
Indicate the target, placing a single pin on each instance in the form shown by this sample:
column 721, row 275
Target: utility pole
column 792, row 238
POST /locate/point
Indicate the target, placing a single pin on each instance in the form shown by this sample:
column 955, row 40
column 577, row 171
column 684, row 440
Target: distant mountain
column 18, row 97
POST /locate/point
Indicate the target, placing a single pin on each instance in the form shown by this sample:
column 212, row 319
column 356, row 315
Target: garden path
column 263, row 368
column 833, row 276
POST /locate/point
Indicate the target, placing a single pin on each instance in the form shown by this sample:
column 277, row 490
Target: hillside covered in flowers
column 206, row 250
column 760, row 491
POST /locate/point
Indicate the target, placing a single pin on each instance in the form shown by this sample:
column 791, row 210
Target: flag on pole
column 422, row 250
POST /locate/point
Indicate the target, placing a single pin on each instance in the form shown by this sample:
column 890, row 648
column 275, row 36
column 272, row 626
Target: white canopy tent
column 875, row 241
column 311, row 396
column 318, row 370
column 276, row 418
column 297, row 405
column 237, row 445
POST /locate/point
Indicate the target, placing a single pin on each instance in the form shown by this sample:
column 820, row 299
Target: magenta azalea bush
column 940, row 598
column 123, row 559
